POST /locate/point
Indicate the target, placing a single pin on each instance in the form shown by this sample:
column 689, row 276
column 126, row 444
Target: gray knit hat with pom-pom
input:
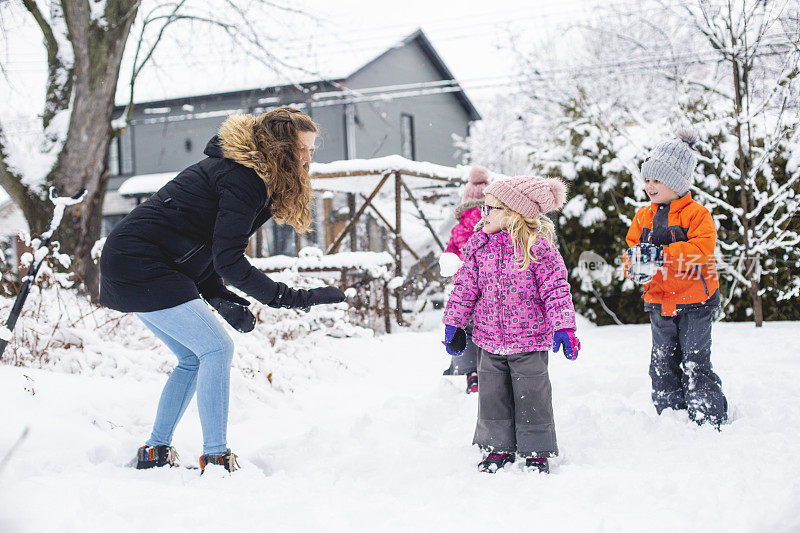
column 672, row 162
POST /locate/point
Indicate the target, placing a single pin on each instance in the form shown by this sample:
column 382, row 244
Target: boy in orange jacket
column 672, row 244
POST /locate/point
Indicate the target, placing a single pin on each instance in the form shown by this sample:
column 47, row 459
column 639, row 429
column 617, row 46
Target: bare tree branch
column 59, row 76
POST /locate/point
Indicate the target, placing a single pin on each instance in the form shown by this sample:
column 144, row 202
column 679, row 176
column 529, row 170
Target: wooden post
column 351, row 207
column 387, row 317
column 259, row 242
column 327, row 213
column 398, row 248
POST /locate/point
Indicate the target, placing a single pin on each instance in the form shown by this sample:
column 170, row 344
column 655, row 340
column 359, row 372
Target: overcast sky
column 339, row 36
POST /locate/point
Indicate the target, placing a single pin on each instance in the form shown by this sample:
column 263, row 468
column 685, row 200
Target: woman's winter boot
column 153, row 456
column 228, row 460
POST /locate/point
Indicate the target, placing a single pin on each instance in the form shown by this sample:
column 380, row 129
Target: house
column 404, row 101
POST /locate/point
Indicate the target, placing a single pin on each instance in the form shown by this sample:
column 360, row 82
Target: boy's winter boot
column 495, row 461
column 539, row 464
column 153, row 456
column 228, row 460
column 472, row 382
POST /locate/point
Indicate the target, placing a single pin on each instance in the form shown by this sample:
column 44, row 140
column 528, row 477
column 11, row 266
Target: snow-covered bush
column 60, row 329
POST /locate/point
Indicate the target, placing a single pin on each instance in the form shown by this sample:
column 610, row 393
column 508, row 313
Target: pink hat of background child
column 478, row 180
column 530, row 196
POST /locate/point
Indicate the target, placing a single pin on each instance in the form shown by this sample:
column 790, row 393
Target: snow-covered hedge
column 62, row 330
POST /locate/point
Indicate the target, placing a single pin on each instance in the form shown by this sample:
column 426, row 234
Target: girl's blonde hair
column 524, row 231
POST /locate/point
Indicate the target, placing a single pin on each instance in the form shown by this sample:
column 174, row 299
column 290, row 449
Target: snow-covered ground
column 382, row 443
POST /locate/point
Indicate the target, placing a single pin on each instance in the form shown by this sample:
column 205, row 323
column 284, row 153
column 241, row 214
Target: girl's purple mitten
column 455, row 340
column 567, row 338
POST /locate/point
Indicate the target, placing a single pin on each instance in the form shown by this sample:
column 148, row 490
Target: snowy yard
column 382, row 443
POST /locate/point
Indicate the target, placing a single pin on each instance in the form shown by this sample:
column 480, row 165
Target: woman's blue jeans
column 204, row 351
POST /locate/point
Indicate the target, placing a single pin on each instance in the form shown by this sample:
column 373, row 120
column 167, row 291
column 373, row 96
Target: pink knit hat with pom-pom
column 478, row 181
column 530, row 196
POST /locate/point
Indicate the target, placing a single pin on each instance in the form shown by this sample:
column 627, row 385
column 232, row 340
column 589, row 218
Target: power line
column 541, row 77
column 392, row 92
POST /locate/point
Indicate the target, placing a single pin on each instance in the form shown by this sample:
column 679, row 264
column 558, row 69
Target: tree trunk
column 753, row 263
column 754, row 276
column 83, row 161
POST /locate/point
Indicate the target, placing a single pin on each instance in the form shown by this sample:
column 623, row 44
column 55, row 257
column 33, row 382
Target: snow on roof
column 145, row 184
column 313, row 258
column 362, row 175
column 380, row 165
column 354, row 175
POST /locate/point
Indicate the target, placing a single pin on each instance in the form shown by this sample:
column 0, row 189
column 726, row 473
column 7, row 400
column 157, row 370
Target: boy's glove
column 303, row 299
column 567, row 338
column 455, row 340
column 234, row 310
column 644, row 260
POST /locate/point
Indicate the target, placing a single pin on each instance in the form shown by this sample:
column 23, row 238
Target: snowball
column 350, row 292
column 643, row 272
column 449, row 263
column 5, row 334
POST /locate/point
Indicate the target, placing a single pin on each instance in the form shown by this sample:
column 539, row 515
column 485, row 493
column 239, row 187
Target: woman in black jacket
column 178, row 246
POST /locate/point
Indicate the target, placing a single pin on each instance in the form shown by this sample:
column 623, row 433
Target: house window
column 279, row 239
column 114, row 157
column 109, row 221
column 407, row 143
column 349, row 131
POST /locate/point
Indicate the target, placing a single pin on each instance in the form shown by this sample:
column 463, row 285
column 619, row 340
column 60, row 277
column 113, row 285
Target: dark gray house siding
column 435, row 117
column 169, row 135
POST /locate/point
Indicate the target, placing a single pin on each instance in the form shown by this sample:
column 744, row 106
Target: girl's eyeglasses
column 486, row 209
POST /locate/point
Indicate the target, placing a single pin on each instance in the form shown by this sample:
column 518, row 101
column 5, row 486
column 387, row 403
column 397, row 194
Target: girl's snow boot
column 153, row 456
column 495, row 461
column 228, row 460
column 538, row 464
column 472, row 382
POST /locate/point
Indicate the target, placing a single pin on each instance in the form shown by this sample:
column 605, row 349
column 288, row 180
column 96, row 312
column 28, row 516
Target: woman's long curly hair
column 276, row 134
column 524, row 231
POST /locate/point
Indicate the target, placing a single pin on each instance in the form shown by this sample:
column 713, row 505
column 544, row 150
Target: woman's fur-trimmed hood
column 237, row 142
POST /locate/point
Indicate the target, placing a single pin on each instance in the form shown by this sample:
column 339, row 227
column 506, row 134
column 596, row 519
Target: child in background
column 468, row 214
column 513, row 286
column 672, row 244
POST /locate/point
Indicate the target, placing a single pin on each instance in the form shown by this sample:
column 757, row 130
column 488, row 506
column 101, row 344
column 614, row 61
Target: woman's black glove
column 302, row 298
column 234, row 310
column 233, row 297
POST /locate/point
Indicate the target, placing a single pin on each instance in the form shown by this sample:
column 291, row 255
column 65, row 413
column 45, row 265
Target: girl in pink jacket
column 468, row 214
column 513, row 287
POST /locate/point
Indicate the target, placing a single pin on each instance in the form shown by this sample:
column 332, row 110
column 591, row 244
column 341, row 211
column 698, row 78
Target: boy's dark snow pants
column 680, row 366
column 515, row 405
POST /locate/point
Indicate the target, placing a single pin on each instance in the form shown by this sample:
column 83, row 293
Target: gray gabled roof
column 438, row 63
column 330, row 84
